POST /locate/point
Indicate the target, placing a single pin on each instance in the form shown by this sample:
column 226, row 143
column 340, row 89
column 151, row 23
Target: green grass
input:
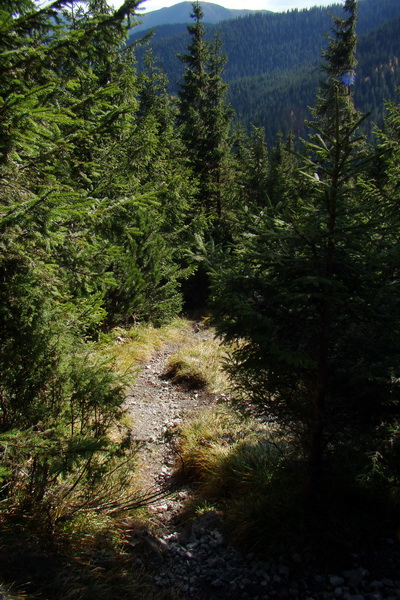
column 230, row 457
column 238, row 467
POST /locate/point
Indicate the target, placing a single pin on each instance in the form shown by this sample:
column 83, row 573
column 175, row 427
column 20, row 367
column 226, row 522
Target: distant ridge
column 273, row 66
column 180, row 13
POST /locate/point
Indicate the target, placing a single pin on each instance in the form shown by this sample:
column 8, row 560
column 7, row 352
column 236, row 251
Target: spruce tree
column 252, row 168
column 204, row 116
column 309, row 292
column 71, row 222
column 339, row 67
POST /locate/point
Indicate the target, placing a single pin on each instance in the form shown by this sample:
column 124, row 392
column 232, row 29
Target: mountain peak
column 180, row 13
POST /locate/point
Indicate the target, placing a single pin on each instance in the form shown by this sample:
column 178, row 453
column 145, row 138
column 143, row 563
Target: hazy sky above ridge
column 274, row 5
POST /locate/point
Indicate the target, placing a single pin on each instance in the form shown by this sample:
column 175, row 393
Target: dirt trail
column 156, row 405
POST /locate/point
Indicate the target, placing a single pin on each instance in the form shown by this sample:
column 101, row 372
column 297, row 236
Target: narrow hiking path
column 156, row 405
column 192, row 559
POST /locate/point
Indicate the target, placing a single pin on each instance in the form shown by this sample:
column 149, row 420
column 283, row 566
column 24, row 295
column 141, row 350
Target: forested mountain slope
column 254, row 44
column 279, row 102
column 264, row 43
column 273, row 60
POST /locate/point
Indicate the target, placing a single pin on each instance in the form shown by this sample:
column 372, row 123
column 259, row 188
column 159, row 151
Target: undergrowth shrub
column 69, row 476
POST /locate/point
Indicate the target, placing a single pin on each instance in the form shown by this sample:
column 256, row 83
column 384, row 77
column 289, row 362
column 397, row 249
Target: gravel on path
column 157, row 406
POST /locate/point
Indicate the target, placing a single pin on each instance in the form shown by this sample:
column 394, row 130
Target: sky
column 274, row 5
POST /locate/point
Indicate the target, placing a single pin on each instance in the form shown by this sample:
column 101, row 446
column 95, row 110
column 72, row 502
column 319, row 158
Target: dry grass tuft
column 207, row 441
column 237, row 464
column 89, row 558
column 200, row 364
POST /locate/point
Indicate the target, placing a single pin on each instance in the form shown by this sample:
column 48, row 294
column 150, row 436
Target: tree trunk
column 316, row 447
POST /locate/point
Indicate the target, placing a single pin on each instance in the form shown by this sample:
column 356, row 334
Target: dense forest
column 273, row 62
column 121, row 203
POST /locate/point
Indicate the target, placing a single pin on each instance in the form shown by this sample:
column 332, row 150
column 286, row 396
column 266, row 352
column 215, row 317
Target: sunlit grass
column 212, row 437
column 128, row 349
column 200, row 364
column 238, row 467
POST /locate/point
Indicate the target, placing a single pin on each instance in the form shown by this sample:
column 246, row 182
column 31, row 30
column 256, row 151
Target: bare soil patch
column 156, row 405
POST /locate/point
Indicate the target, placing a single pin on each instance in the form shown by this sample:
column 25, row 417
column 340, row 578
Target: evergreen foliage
column 94, row 211
column 309, row 291
column 252, row 167
column 204, row 116
column 105, row 184
column 273, row 69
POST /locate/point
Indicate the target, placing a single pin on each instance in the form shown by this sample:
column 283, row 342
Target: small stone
column 336, row 581
column 296, row 558
column 250, row 556
column 217, row 583
column 212, row 562
column 218, row 540
column 192, row 545
column 355, row 576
